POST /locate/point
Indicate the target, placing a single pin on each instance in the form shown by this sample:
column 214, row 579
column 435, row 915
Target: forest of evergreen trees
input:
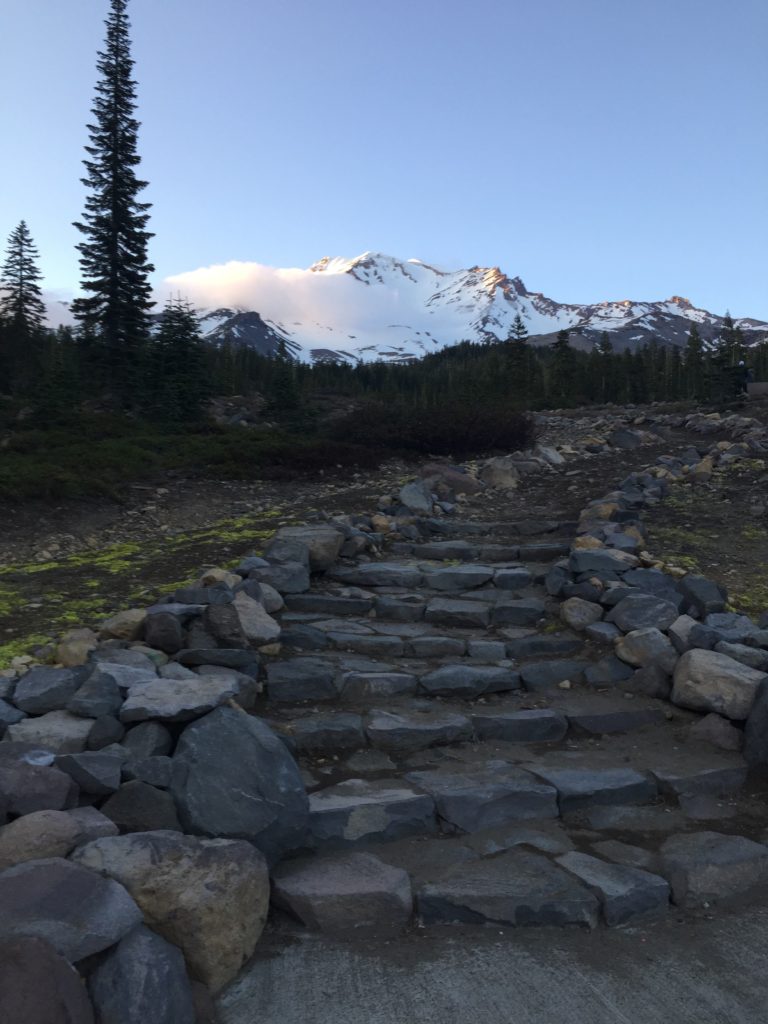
column 133, row 366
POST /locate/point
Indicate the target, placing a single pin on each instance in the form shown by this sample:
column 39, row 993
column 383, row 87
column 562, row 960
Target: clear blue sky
column 601, row 149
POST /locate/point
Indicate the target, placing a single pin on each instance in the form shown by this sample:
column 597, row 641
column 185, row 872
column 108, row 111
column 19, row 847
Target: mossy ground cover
column 40, row 600
column 719, row 529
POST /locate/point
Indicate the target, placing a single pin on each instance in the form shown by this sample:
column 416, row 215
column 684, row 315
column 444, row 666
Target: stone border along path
column 507, row 723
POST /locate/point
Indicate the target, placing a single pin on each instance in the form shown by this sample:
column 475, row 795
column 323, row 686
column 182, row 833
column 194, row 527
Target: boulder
column 648, row 646
column 704, row 595
column 500, row 472
column 640, row 611
column 707, row 866
column 578, row 613
column 177, row 700
column 232, row 777
column 126, row 625
column 208, row 896
column 708, row 681
column 38, row 835
column 139, row 807
column 26, row 787
column 38, row 986
column 417, row 497
column 94, row 771
column 624, row 892
column 257, row 624
column 143, row 980
column 9, row 715
column 58, row 731
column 46, row 689
column 106, row 730
column 717, row 731
column 404, row 731
column 164, row 632
column 147, row 739
column 359, row 811
column 76, row 910
column 756, row 729
column 347, row 895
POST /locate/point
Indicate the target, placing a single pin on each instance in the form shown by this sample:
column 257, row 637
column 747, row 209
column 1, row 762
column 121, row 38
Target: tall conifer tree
column 113, row 256
column 21, row 302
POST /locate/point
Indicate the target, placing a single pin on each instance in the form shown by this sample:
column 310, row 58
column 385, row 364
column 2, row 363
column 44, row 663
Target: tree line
column 159, row 367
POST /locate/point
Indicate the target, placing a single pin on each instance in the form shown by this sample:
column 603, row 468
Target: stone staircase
column 459, row 743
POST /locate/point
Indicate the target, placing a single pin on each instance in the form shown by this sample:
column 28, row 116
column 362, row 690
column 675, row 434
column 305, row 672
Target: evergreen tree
column 178, row 377
column 21, row 303
column 518, row 331
column 113, row 256
column 561, row 376
column 693, row 361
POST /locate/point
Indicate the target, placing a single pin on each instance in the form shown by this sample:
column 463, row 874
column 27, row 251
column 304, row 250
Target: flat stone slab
column 518, row 611
column 58, row 731
column 445, row 611
column 337, row 733
column 485, row 798
column 707, row 866
column 635, row 819
column 469, row 680
column 579, row 788
column 329, row 604
column 598, row 723
column 384, row 646
column 716, row 780
column 302, row 679
column 624, row 892
column 358, row 811
column 374, row 685
column 514, row 888
column 447, row 550
column 437, row 647
column 177, row 700
column 388, row 730
column 459, row 577
column 347, row 896
column 381, row 574
column 536, row 726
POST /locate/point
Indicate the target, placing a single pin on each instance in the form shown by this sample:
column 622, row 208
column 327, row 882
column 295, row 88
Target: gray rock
column 518, row 611
column 437, row 646
column 731, row 626
column 388, row 730
column 329, row 604
column 232, row 777
column 708, row 681
column 607, row 671
column 218, row 593
column 473, row 799
column 448, row 550
column 75, row 910
column 380, row 574
column 92, row 824
column 409, row 608
column 705, row 595
column 283, row 551
column 138, row 807
column 9, row 715
column 445, row 611
column 143, row 980
column 623, row 853
column 515, row 888
column 335, row 734
column 58, row 731
column 46, row 689
column 487, row 650
column 358, row 811
column 752, row 656
column 717, row 731
column 516, row 578
column 147, row 739
column 469, row 680
column 37, row 986
column 208, row 896
column 287, row 578
column 25, row 787
column 367, row 685
column 639, row 611
column 222, row 622
column 578, row 614
column 349, row 895
column 417, row 496
column 99, row 695
column 601, row 560
column 243, row 661
column 37, row 835
column 651, row 681
column 459, row 577
column 680, row 633
column 599, row 723
column 94, row 771
column 322, row 541
column 756, row 729
column 602, row 632
column 624, row 892
column 361, row 643
column 257, row 624
column 106, row 729
column 579, row 788
column 545, row 675
column 718, row 780
column 164, row 632
column 302, row 679
column 648, row 646
column 155, row 771
column 546, row 646
column 177, row 700
column 707, row 866
column 537, row 726
column 625, row 439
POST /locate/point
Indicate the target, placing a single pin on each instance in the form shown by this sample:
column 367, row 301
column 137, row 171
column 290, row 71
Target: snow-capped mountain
column 379, row 307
